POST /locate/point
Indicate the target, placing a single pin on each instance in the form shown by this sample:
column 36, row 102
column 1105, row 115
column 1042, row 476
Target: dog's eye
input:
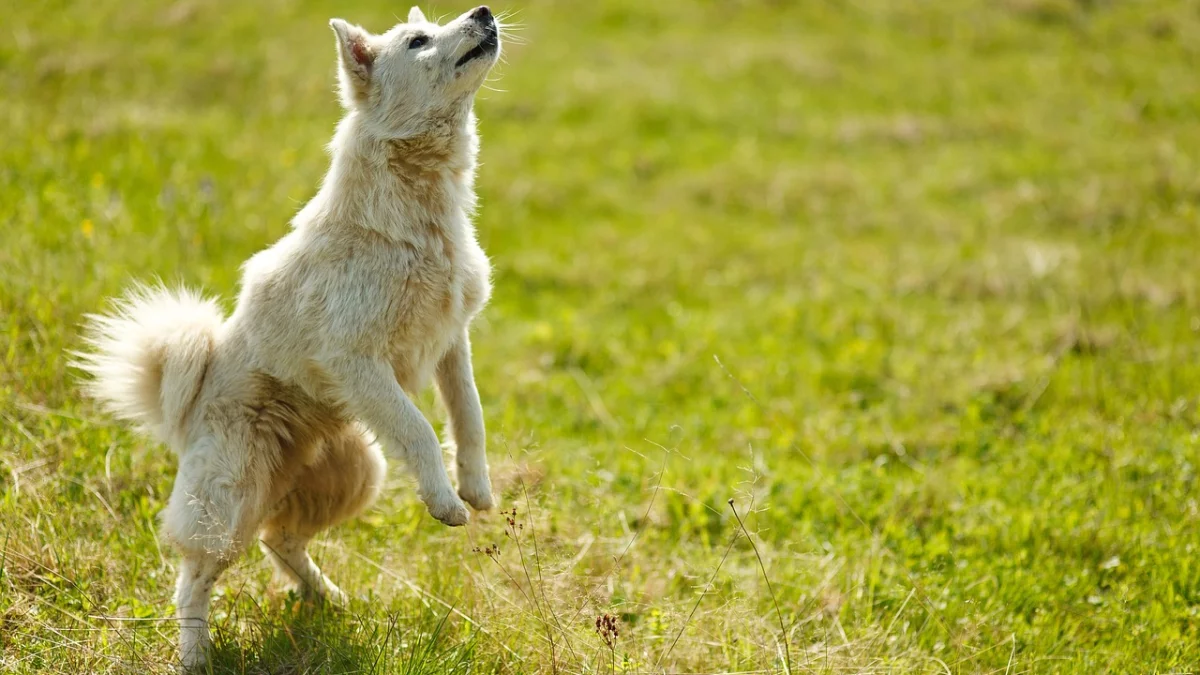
column 419, row 41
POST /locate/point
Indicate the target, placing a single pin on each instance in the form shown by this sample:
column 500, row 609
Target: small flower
column 609, row 629
column 490, row 551
column 87, row 228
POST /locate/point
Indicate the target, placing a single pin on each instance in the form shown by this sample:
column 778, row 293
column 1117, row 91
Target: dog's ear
column 356, row 57
column 415, row 15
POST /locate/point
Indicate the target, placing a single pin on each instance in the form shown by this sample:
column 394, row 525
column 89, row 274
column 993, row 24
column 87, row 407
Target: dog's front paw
column 449, row 510
column 477, row 491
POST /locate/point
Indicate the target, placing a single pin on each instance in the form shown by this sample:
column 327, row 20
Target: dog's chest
column 444, row 284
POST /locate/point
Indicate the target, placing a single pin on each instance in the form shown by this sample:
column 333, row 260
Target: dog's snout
column 482, row 14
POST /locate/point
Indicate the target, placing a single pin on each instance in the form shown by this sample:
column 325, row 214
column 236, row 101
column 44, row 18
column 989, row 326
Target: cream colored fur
column 360, row 306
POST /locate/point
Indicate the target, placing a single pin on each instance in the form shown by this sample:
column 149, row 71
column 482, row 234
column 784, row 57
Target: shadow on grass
column 303, row 638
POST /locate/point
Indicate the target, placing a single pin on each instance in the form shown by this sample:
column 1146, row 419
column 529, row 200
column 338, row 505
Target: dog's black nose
column 482, row 14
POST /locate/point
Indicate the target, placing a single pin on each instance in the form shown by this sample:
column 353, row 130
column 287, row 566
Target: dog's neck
column 392, row 185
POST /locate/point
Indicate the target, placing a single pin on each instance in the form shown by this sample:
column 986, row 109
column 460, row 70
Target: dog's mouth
column 491, row 40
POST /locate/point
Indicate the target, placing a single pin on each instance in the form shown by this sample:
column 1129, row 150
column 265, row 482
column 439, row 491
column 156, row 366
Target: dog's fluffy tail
column 147, row 358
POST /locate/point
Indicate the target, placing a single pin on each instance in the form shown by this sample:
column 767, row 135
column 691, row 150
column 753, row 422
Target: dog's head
column 418, row 72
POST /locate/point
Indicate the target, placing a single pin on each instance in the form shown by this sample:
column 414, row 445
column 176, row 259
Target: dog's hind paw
column 336, row 598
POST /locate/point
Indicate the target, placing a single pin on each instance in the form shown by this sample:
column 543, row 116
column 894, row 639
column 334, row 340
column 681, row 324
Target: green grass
column 916, row 283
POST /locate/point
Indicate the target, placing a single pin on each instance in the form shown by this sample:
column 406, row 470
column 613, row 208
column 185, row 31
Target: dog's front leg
column 369, row 388
column 456, row 384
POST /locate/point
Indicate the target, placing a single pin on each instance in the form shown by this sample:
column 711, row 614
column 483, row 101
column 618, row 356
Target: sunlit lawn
column 914, row 283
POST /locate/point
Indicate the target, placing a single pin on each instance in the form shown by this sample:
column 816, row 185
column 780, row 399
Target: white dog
column 338, row 323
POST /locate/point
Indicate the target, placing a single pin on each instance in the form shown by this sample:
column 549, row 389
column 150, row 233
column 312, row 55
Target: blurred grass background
column 915, row 283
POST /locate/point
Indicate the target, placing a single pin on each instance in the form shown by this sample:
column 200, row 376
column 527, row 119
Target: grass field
column 916, row 284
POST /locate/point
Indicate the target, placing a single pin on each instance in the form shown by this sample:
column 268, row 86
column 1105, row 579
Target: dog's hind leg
column 193, row 590
column 288, row 552
column 344, row 481
column 214, row 510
